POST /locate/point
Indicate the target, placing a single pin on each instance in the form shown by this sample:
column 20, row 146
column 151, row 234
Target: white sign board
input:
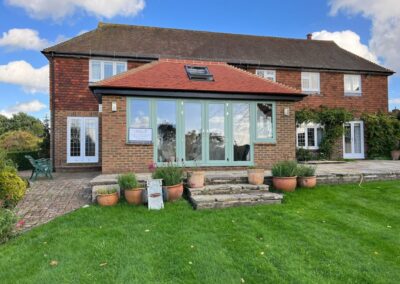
column 154, row 194
column 140, row 135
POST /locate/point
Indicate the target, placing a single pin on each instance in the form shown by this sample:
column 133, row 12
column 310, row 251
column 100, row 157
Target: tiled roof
column 170, row 74
column 154, row 43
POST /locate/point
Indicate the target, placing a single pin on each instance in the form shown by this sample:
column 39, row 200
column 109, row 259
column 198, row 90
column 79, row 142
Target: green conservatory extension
column 200, row 132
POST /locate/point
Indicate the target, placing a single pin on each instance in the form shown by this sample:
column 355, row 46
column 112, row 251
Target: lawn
column 335, row 234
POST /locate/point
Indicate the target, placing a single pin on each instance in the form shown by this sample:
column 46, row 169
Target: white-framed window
column 82, row 140
column 309, row 136
column 267, row 74
column 352, row 85
column 310, row 82
column 102, row 69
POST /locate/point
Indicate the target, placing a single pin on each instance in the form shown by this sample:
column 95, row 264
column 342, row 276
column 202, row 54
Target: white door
column 353, row 140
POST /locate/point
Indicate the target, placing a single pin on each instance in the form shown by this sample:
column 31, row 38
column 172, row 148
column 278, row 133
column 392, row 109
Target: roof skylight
column 199, row 73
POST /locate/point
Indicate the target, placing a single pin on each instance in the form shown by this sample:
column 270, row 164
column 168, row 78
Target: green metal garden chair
column 40, row 167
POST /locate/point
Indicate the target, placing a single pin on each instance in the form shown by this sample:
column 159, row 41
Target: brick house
column 123, row 97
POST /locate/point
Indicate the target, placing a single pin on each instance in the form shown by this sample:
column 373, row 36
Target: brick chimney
column 309, row 36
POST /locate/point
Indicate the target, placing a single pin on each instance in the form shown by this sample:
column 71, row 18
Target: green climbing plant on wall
column 331, row 119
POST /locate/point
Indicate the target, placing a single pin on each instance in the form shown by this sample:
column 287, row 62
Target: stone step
column 228, row 189
column 232, row 200
column 225, row 179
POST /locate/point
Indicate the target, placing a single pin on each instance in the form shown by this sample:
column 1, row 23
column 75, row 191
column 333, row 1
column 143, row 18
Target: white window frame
column 308, row 76
column 102, row 62
column 303, row 128
column 82, row 158
column 352, row 77
column 268, row 74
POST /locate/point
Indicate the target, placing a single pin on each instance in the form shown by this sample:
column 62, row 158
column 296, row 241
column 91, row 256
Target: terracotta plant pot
column 174, row 192
column 255, row 176
column 107, row 199
column 308, row 182
column 285, row 183
column 395, row 154
column 134, row 196
column 195, row 179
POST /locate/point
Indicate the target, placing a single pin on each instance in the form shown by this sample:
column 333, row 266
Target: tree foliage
column 21, row 121
column 19, row 141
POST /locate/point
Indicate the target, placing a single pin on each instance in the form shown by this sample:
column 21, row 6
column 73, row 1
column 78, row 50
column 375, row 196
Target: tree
column 25, row 122
column 45, row 145
column 4, row 124
column 14, row 141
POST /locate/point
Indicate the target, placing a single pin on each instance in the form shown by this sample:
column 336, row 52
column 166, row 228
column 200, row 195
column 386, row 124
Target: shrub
column 306, row 171
column 285, row 169
column 170, row 174
column 128, row 181
column 15, row 141
column 7, row 223
column 382, row 132
column 12, row 187
column 304, row 154
column 5, row 162
column 104, row 191
column 19, row 160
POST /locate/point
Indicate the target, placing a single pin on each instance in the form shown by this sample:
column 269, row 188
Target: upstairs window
column 102, row 69
column 199, row 73
column 310, row 82
column 267, row 74
column 352, row 85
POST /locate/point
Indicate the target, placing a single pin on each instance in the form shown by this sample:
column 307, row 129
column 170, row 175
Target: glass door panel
column 241, row 131
column 166, row 131
column 347, row 138
column 193, row 131
column 216, row 132
column 357, row 138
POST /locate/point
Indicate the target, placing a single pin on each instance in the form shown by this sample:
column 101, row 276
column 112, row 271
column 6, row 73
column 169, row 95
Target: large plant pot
column 107, row 199
column 284, row 183
column 195, row 179
column 134, row 196
column 255, row 176
column 395, row 154
column 174, row 192
column 307, row 182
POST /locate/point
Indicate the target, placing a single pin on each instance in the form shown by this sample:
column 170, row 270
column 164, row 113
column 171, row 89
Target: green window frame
column 180, row 127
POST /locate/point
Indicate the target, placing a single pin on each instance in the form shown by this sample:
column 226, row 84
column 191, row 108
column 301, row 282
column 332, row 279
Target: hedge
column 19, row 159
column 7, row 223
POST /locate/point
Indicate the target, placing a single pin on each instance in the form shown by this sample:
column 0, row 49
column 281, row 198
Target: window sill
column 352, row 94
column 312, row 93
column 139, row 143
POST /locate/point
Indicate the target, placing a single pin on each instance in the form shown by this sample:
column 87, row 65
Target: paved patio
column 48, row 199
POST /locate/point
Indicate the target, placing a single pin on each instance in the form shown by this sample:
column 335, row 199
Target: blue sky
column 21, row 79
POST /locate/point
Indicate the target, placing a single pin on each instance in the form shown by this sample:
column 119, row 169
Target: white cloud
column 385, row 33
column 23, row 39
column 24, row 74
column 28, row 107
column 60, row 9
column 394, row 101
column 348, row 40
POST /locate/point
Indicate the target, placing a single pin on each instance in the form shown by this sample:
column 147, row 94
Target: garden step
column 226, row 179
column 227, row 189
column 239, row 199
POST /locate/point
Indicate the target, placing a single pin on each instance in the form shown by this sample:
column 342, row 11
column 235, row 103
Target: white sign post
column 154, row 194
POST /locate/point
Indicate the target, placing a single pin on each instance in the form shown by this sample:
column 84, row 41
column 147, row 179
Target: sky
column 368, row 28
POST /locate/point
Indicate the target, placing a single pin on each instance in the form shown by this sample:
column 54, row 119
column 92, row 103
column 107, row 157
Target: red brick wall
column 374, row 96
column 72, row 97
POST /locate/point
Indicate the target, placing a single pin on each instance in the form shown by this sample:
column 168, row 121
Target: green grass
column 333, row 234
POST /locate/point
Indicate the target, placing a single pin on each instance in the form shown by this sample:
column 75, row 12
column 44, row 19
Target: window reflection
column 193, row 139
column 216, row 126
column 241, row 131
column 166, row 131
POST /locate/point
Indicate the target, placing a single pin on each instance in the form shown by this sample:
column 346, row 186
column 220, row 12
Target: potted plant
column 172, row 180
column 306, row 176
column 255, row 175
column 107, row 196
column 131, row 187
column 284, row 175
